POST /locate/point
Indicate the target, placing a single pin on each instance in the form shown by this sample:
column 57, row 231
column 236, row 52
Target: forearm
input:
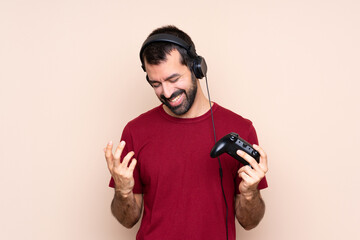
column 250, row 209
column 126, row 209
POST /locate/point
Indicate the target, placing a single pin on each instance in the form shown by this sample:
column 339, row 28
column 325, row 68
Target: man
column 163, row 162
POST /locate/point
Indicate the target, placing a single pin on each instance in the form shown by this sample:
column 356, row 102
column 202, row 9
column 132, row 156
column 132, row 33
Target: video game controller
column 230, row 144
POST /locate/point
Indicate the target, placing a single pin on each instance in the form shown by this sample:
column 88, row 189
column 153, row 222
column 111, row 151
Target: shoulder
column 146, row 124
column 141, row 127
column 228, row 115
column 146, row 117
column 227, row 121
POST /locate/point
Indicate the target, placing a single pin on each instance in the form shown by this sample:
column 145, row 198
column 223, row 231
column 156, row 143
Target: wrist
column 250, row 194
column 123, row 194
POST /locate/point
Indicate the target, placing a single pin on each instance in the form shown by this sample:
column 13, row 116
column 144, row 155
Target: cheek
column 187, row 83
column 158, row 91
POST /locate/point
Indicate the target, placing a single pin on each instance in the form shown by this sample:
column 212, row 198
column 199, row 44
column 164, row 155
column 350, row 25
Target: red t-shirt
column 179, row 180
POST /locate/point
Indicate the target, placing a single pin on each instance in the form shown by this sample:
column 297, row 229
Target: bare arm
column 249, row 205
column 249, row 209
column 126, row 206
column 127, row 209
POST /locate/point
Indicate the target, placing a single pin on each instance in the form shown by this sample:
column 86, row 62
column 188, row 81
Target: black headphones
column 199, row 66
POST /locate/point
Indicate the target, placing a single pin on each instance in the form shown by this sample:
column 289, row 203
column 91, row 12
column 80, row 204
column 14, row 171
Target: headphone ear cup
column 199, row 67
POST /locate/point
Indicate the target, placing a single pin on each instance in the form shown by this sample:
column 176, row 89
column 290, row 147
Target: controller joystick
column 230, row 144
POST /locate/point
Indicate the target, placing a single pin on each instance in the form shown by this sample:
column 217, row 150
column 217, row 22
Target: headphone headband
column 164, row 37
column 199, row 64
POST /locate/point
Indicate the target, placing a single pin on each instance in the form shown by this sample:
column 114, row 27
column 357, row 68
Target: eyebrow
column 168, row 78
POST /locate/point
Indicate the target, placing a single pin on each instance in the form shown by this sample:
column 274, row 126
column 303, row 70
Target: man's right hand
column 121, row 171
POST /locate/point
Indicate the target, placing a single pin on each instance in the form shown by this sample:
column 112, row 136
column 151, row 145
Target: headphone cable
column 220, row 168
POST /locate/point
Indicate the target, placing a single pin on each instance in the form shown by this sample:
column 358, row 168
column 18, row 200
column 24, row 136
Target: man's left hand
column 252, row 176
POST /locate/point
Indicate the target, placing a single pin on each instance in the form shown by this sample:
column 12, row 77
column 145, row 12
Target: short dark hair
column 156, row 52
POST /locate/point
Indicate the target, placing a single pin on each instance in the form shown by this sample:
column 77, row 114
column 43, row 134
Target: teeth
column 175, row 99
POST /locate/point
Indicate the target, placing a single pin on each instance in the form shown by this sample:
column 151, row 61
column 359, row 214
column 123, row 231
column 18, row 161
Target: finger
column 127, row 159
column 108, row 153
column 263, row 158
column 132, row 165
column 254, row 176
column 248, row 181
column 247, row 170
column 244, row 176
column 117, row 153
column 256, row 172
column 253, row 163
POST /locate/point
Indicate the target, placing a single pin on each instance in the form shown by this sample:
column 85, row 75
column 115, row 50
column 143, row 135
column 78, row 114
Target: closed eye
column 155, row 84
column 172, row 79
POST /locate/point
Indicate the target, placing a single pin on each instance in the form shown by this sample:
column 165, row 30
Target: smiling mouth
column 175, row 99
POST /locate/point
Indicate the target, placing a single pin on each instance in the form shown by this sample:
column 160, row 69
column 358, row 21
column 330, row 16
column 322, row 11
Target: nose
column 167, row 90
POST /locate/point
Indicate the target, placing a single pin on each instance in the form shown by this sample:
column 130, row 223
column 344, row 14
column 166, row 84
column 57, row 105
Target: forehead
column 171, row 65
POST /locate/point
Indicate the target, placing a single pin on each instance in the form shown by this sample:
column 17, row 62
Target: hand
column 120, row 171
column 252, row 176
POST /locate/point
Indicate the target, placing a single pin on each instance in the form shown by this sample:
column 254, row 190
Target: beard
column 185, row 106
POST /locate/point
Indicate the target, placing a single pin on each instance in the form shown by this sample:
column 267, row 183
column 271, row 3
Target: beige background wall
column 71, row 79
